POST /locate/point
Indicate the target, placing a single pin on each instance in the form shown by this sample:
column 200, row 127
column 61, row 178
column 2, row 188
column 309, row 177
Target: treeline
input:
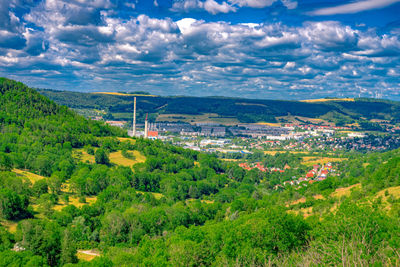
column 245, row 110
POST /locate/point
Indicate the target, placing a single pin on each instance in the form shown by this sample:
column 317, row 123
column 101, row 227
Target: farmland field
column 204, row 118
column 309, row 161
column 327, row 100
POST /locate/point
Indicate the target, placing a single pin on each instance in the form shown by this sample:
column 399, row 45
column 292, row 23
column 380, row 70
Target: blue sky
column 273, row 49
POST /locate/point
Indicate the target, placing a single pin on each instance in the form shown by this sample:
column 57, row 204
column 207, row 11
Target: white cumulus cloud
column 354, row 7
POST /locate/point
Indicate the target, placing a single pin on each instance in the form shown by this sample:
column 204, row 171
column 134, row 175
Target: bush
column 101, row 157
column 12, row 205
column 90, row 150
column 128, row 155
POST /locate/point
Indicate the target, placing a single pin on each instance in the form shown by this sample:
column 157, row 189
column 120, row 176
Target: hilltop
column 232, row 110
column 76, row 192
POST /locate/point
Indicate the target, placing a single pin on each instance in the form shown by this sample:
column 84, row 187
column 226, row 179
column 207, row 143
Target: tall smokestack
column 146, row 130
column 134, row 117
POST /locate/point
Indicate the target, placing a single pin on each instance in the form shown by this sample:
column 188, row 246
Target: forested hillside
column 244, row 110
column 75, row 192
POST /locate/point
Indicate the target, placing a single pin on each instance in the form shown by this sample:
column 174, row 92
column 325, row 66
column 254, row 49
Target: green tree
column 5, row 162
column 12, row 206
column 68, row 248
column 101, row 157
column 43, row 238
column 40, row 187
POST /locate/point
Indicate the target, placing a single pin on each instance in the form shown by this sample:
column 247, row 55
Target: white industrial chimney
column 134, row 118
column 146, row 129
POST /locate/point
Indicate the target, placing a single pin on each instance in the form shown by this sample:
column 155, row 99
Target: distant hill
column 229, row 110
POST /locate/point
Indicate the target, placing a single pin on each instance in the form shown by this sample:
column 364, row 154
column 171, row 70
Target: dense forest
column 244, row 110
column 62, row 193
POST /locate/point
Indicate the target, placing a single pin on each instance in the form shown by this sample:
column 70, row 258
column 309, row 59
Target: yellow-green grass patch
column 124, row 139
column 305, row 211
column 115, row 157
column 87, row 255
column 11, row 226
column 392, row 191
column 201, row 200
column 303, row 200
column 82, row 155
column 31, row 176
column 344, row 191
column 327, row 100
column 155, row 195
column 74, row 201
column 65, row 187
column 119, row 159
column 311, row 160
column 61, row 204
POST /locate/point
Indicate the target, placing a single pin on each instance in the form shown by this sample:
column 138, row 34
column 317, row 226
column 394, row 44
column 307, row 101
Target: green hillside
column 67, row 198
column 244, row 110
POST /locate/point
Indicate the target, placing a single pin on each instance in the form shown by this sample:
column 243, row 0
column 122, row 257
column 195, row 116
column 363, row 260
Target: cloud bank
column 76, row 46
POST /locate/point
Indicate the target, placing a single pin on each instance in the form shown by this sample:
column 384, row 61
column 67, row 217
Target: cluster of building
column 328, row 128
column 216, row 130
column 120, row 124
column 316, row 174
column 260, row 167
column 305, row 137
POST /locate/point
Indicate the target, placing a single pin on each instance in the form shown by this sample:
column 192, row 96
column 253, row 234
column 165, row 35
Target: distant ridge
column 227, row 111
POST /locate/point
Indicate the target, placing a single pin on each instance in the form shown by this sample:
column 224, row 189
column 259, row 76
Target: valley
column 79, row 192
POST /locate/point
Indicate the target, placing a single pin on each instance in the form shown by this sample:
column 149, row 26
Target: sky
column 263, row 49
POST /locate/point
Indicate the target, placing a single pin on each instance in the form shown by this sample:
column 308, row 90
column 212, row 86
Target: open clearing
column 115, row 157
column 344, row 191
column 31, row 176
column 61, row 204
column 309, row 161
column 11, row 226
column 87, row 255
column 155, row 195
column 74, row 201
column 82, row 155
column 126, row 139
column 119, row 159
column 203, row 118
column 201, row 200
column 305, row 211
column 303, row 200
column 394, row 191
